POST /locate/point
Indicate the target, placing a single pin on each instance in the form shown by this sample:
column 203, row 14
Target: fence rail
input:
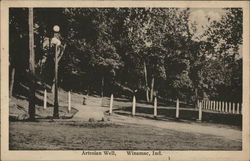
column 221, row 106
column 203, row 106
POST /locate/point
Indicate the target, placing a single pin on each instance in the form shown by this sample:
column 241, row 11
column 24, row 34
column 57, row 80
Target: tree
column 31, row 67
column 18, row 51
column 225, row 38
column 147, row 31
column 98, row 50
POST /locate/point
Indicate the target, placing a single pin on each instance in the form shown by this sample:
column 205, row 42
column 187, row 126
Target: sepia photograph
column 139, row 80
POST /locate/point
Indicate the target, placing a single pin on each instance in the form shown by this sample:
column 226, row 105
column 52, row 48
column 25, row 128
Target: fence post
column 69, row 101
column 229, row 106
column 241, row 108
column 200, row 112
column 155, row 107
column 233, row 108
column 111, row 104
column 226, row 107
column 133, row 106
column 223, row 107
column 238, row 108
column 177, row 107
column 45, row 99
column 219, row 106
column 209, row 104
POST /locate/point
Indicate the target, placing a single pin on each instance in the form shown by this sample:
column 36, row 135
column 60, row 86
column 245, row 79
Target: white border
column 121, row 155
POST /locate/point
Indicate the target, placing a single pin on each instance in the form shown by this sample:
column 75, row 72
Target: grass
column 68, row 135
column 18, row 108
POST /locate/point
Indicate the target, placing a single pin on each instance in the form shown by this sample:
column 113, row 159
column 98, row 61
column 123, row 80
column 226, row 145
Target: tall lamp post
column 57, row 42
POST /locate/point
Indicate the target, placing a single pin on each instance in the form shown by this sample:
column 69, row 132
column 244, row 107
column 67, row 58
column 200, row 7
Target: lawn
column 122, row 132
column 68, row 135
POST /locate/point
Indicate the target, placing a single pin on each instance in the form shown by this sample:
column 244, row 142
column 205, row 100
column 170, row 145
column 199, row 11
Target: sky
column 201, row 15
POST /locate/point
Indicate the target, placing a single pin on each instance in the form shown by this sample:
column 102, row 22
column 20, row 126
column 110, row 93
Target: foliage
column 136, row 49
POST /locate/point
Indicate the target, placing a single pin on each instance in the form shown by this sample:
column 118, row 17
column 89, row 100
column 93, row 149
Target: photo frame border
column 7, row 154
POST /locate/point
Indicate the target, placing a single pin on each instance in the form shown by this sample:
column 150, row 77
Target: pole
column 56, row 114
column 133, row 106
column 31, row 67
column 200, row 112
column 69, row 101
column 111, row 104
column 45, row 100
column 177, row 108
column 155, row 107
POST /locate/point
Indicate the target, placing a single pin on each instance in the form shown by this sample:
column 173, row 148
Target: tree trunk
column 146, row 81
column 31, row 67
column 12, row 80
column 152, row 89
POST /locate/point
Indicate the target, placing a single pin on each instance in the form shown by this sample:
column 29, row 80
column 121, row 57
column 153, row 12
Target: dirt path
column 94, row 110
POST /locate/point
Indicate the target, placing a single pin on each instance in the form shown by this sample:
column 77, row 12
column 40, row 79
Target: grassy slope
column 101, row 135
column 19, row 106
column 66, row 134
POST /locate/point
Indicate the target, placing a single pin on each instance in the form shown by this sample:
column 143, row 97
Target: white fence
column 204, row 106
column 221, row 106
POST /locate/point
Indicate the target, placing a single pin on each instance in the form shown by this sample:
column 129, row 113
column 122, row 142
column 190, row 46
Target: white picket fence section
column 221, row 106
column 203, row 106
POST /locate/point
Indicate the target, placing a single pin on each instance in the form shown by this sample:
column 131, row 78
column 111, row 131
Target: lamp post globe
column 56, row 28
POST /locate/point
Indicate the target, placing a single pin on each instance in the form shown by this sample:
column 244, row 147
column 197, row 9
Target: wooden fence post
column 238, row 108
column 45, row 99
column 233, row 108
column 155, row 107
column 111, row 104
column 133, row 106
column 69, row 101
column 229, row 106
column 200, row 112
column 209, row 104
column 226, row 107
column 223, row 107
column 177, row 107
column 219, row 106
